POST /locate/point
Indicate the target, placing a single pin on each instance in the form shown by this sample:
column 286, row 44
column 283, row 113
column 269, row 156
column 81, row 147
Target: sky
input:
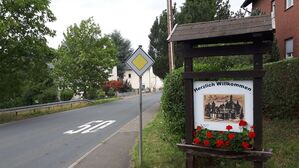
column 133, row 18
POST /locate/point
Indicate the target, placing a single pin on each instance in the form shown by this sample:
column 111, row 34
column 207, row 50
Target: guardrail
column 40, row 106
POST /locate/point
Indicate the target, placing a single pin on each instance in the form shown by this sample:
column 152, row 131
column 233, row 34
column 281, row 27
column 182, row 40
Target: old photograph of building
column 224, row 107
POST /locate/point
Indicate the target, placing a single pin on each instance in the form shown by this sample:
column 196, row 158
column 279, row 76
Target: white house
column 113, row 74
column 149, row 79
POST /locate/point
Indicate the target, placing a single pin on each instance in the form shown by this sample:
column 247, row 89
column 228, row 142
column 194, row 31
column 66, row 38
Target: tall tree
column 23, row 50
column 158, row 45
column 191, row 11
column 124, row 50
column 223, row 10
column 85, row 58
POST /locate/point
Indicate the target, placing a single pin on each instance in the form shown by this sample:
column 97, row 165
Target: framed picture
column 221, row 103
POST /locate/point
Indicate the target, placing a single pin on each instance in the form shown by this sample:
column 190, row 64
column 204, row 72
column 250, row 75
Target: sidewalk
column 116, row 150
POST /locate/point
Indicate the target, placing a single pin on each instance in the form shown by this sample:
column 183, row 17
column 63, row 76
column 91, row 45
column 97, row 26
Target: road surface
column 58, row 140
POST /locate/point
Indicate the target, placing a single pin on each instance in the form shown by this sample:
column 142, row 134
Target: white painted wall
column 149, row 79
column 113, row 74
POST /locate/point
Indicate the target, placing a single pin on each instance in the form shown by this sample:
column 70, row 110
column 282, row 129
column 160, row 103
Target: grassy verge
column 280, row 135
column 8, row 117
column 157, row 152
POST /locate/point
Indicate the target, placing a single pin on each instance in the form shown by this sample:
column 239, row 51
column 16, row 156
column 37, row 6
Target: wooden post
column 257, row 104
column 189, row 116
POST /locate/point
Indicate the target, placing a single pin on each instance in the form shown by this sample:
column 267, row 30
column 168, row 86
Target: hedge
column 281, row 94
column 281, row 89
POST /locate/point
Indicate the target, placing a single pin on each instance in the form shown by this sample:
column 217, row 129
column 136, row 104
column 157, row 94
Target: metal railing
column 41, row 106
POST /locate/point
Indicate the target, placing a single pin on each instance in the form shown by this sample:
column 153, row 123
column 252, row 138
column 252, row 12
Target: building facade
column 285, row 14
column 150, row 81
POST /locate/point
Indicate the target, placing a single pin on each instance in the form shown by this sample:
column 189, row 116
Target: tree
column 192, row 11
column 124, row 51
column 197, row 11
column 23, row 51
column 85, row 58
column 158, row 47
column 223, row 10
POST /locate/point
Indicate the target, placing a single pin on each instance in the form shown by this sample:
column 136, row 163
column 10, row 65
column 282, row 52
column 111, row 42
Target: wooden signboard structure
column 233, row 37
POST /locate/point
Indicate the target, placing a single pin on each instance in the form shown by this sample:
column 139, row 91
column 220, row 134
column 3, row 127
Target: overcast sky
column 133, row 18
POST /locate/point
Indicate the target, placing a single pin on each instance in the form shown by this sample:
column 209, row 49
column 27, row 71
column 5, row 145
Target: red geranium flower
column 219, row 143
column 229, row 127
column 194, row 133
column 196, row 141
column 209, row 135
column 245, row 145
column 252, row 127
column 198, row 128
column 231, row 136
column 206, row 142
column 227, row 143
column 242, row 123
column 251, row 134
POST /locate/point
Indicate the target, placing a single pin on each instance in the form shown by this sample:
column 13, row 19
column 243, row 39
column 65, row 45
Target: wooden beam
column 189, row 115
column 246, row 49
column 224, row 74
column 249, row 155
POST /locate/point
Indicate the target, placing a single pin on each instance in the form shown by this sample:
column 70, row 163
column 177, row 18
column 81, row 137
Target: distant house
column 150, row 81
column 113, row 74
column 285, row 14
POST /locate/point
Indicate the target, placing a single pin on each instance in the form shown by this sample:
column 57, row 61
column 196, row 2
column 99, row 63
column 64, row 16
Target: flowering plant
column 226, row 139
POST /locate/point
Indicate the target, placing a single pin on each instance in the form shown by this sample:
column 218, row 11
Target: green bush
column 101, row 93
column 91, row 94
column 110, row 93
column 281, row 89
column 66, row 94
column 48, row 95
column 172, row 101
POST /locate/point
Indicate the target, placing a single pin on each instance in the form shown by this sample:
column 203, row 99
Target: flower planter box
column 249, row 155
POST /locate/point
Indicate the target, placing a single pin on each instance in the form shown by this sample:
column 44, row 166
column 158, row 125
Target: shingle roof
column 222, row 28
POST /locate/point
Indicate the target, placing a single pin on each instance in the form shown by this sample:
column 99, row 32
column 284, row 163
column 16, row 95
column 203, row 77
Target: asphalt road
column 58, row 140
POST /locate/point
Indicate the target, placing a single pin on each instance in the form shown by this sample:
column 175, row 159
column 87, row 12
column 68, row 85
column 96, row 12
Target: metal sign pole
column 140, row 122
column 140, row 62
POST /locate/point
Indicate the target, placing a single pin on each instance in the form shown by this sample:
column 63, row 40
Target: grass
column 157, row 152
column 8, row 117
column 280, row 135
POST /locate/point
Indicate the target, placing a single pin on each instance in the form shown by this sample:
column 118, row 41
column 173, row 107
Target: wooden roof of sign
column 231, row 30
column 246, row 3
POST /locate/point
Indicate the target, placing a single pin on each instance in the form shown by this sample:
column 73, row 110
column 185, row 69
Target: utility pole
column 169, row 29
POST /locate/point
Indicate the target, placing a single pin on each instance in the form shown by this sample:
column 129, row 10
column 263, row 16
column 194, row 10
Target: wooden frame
column 253, row 42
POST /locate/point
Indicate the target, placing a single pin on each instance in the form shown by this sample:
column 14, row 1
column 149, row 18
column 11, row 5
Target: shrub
column 127, row 87
column 47, row 96
column 101, row 93
column 114, row 84
column 91, row 94
column 110, row 93
column 66, row 94
column 281, row 89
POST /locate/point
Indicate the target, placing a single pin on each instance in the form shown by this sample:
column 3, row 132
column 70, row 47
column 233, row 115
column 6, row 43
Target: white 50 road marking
column 91, row 127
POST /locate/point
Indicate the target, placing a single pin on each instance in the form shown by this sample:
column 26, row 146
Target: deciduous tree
column 85, row 58
column 23, row 46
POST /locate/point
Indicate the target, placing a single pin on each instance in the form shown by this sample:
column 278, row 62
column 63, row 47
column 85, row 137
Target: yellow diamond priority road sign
column 140, row 61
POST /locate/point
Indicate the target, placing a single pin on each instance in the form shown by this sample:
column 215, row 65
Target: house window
column 289, row 44
column 129, row 75
column 289, row 3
